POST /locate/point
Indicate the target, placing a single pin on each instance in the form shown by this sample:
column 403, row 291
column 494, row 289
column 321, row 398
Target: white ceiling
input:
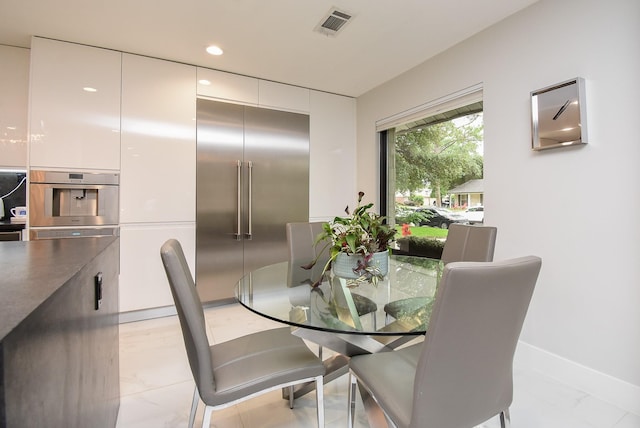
column 269, row 39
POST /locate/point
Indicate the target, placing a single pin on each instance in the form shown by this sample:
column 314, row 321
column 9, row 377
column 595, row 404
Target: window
column 433, row 160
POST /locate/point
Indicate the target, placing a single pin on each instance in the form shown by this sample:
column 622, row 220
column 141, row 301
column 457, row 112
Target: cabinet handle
column 249, row 207
column 238, row 234
column 97, row 291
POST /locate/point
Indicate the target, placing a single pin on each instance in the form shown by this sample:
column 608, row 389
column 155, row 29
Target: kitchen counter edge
column 32, row 271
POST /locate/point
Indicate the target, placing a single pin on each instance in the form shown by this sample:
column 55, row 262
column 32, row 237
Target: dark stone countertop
column 7, row 226
column 31, row 271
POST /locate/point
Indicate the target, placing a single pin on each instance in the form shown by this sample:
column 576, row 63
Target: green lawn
column 431, row 232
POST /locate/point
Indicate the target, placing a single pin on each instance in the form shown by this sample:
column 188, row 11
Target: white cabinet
column 332, row 173
column 74, row 106
column 143, row 282
column 157, row 179
column 227, row 86
column 14, row 95
column 283, row 97
column 251, row 91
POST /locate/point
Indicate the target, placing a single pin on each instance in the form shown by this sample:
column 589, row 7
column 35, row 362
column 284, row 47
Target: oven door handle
column 73, row 186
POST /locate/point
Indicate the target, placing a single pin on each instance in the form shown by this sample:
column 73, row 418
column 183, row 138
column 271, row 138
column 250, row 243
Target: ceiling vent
column 333, row 22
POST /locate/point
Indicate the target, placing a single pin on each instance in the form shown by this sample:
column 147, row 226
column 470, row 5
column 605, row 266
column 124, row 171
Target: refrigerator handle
column 238, row 234
column 249, row 207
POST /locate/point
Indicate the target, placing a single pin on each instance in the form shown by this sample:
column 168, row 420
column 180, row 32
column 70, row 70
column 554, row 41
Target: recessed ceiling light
column 89, row 89
column 214, row 50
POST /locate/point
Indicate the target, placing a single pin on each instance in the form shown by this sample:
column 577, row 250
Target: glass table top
column 283, row 292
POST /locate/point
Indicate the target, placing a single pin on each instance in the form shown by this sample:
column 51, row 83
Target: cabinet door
column 74, row 347
column 157, row 181
column 332, row 148
column 143, row 282
column 14, row 92
column 283, row 97
column 74, row 106
column 227, row 86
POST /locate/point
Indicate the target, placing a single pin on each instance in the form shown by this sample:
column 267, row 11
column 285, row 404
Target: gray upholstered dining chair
column 465, row 243
column 301, row 237
column 230, row 372
column 461, row 375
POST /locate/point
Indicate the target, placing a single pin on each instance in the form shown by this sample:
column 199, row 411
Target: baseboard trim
column 164, row 311
column 621, row 394
column 147, row 314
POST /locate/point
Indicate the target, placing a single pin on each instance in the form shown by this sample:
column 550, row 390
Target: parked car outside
column 475, row 214
column 440, row 217
column 409, row 215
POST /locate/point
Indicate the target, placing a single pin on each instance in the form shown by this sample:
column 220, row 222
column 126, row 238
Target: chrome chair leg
column 505, row 419
column 194, row 407
column 320, row 400
column 206, row 418
column 291, row 396
column 351, row 401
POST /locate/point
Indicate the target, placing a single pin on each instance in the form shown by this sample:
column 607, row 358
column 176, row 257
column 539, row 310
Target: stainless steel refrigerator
column 252, row 178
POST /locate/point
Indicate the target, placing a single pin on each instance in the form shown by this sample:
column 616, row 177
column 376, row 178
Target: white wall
column 574, row 207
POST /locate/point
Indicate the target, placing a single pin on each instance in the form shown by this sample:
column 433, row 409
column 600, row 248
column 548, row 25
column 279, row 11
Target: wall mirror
column 558, row 115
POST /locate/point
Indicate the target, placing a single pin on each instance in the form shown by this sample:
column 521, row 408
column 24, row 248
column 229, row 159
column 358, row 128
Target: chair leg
column 291, row 396
column 320, row 400
column 194, row 407
column 351, row 401
column 206, row 418
column 505, row 419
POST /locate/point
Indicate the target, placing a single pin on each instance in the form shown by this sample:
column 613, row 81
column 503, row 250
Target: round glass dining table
column 344, row 315
column 330, row 310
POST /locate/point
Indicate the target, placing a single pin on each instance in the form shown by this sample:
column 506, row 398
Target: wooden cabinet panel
column 60, row 365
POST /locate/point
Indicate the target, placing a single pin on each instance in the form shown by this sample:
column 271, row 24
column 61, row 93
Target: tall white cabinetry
column 157, row 178
column 80, row 121
column 283, row 97
column 74, row 106
column 14, row 91
column 239, row 89
column 332, row 174
column 227, row 86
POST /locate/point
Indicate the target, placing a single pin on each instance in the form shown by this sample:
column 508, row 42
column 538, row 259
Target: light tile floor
column 156, row 387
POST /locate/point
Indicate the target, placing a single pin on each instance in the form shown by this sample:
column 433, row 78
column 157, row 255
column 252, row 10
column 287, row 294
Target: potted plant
column 358, row 244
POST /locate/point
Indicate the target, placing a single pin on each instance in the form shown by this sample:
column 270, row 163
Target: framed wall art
column 558, row 115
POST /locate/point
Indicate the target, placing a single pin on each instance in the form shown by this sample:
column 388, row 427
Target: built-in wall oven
column 73, row 204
